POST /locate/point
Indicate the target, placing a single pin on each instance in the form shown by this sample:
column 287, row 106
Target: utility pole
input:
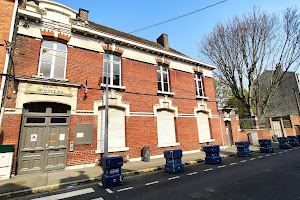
column 108, row 42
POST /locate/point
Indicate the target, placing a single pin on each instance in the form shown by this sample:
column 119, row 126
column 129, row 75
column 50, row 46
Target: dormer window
column 53, row 60
column 198, row 84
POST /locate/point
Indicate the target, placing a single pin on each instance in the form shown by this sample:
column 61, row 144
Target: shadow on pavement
column 81, row 176
column 12, row 187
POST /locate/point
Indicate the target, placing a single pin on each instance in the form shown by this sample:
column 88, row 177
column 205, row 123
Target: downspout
column 221, row 130
column 7, row 56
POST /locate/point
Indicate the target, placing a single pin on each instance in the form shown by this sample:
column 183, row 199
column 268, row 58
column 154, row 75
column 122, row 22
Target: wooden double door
column 44, row 138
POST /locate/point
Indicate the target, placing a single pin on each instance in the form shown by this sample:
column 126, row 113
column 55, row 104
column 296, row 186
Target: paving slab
column 34, row 183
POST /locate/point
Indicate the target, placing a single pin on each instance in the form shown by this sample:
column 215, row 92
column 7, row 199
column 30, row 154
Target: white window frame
column 54, row 50
column 112, row 62
column 198, row 89
column 161, row 72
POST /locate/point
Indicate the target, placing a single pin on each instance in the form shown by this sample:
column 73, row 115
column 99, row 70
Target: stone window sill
column 165, row 93
column 201, row 97
column 168, row 144
column 113, row 86
column 206, row 140
column 112, row 150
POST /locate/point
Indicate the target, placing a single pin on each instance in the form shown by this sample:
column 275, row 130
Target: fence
column 264, row 123
column 247, row 123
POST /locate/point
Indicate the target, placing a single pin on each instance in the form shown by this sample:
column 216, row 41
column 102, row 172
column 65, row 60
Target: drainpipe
column 221, row 130
column 7, row 56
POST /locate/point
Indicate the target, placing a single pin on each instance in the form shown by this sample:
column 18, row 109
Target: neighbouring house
column 281, row 118
column 283, row 108
column 54, row 106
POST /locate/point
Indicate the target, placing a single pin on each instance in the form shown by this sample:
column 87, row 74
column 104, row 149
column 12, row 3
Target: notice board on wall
column 84, row 133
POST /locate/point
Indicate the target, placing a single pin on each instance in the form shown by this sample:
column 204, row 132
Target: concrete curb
column 91, row 180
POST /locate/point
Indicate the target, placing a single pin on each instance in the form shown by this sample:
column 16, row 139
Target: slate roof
column 283, row 102
column 106, row 29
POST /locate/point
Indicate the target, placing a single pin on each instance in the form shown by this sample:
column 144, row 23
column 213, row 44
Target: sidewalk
column 27, row 184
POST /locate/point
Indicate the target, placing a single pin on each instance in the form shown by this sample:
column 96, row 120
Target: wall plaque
column 48, row 89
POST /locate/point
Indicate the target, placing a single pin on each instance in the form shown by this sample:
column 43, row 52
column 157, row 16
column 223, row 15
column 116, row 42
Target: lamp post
column 108, row 42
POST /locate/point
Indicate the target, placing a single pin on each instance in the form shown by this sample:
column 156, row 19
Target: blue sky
column 185, row 33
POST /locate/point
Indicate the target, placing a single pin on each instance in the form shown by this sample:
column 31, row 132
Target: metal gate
column 44, row 138
column 277, row 128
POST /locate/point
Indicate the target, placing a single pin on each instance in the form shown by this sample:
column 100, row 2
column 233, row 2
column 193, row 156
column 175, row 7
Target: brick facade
column 139, row 78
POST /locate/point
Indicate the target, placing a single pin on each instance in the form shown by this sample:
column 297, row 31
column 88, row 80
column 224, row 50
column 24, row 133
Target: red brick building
column 158, row 97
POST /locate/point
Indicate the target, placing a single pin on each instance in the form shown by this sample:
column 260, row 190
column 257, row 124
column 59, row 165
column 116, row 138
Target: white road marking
column 175, row 177
column 280, row 152
column 206, row 170
column 192, row 173
column 291, row 149
column 267, row 155
column 243, row 161
column 252, row 158
column 124, row 189
column 274, row 153
column 260, row 156
column 109, row 191
column 100, row 198
column 285, row 150
column 100, row 184
column 151, row 183
column 221, row 166
column 232, row 163
column 67, row 194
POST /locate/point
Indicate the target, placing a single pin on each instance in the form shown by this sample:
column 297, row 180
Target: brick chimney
column 83, row 14
column 163, row 41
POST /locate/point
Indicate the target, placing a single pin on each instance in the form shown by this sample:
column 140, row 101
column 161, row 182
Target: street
column 262, row 176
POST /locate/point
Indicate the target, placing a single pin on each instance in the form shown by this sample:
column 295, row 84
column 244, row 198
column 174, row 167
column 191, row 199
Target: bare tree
column 243, row 48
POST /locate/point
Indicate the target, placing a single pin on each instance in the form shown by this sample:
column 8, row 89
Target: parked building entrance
column 44, row 138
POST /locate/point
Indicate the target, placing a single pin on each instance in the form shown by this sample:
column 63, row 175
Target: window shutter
column 203, row 126
column 165, row 127
column 116, row 128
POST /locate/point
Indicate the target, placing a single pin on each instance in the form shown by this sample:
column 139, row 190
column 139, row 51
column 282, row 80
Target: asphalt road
column 262, row 176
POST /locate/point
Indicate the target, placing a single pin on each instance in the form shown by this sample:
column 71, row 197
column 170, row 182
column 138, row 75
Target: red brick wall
column 262, row 133
column 187, row 133
column 26, row 57
column 137, row 77
column 5, row 22
column 294, row 121
column 140, row 132
column 81, row 65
